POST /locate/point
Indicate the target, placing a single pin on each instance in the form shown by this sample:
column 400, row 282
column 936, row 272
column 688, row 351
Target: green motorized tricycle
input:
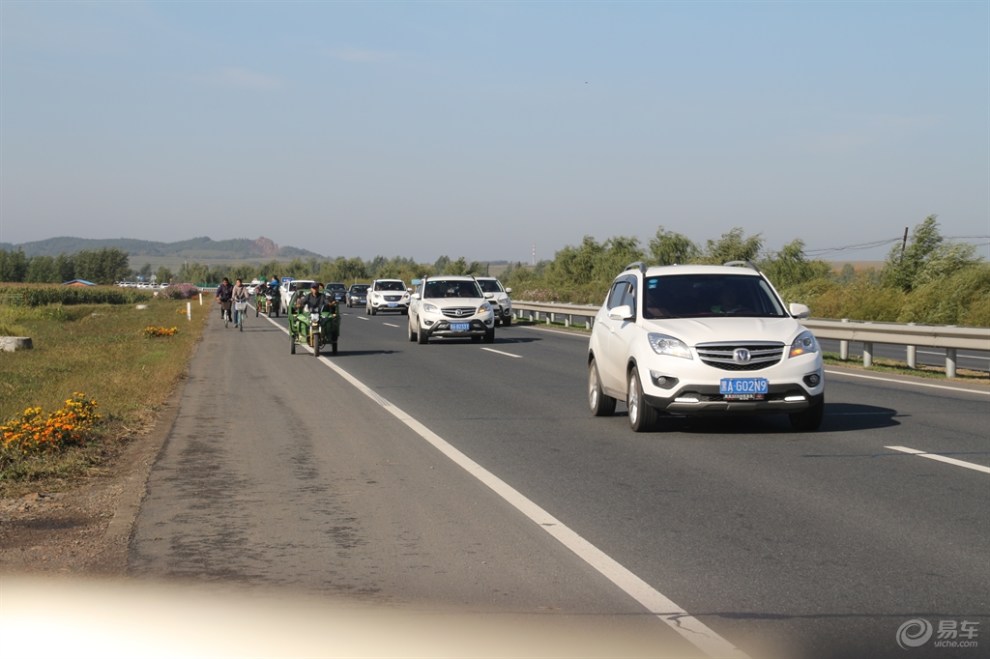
column 313, row 327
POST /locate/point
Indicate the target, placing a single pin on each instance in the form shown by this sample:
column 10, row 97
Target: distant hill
column 195, row 249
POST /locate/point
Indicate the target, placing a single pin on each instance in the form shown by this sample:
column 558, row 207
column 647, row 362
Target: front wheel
column 409, row 331
column 600, row 403
column 292, row 342
column 642, row 417
column 810, row 418
column 490, row 336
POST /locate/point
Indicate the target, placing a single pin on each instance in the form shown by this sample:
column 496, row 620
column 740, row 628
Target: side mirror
column 508, row 290
column 622, row 312
column 799, row 310
column 415, row 296
column 489, row 296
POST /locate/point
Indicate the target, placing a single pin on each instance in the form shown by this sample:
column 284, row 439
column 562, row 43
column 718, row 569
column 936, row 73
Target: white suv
column 287, row 288
column 498, row 296
column 702, row 340
column 387, row 295
column 450, row 306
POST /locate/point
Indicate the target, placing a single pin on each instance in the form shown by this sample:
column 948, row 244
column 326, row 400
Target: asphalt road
column 471, row 476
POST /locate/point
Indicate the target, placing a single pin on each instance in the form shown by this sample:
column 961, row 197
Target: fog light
column 663, row 381
column 813, row 380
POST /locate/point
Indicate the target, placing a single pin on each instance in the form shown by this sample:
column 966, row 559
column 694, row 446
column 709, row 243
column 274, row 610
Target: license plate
column 744, row 388
column 460, row 327
column 393, row 304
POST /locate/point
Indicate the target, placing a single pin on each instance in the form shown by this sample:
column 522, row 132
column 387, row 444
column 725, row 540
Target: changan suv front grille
column 459, row 312
column 741, row 356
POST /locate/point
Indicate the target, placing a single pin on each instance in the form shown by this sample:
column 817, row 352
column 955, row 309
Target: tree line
column 926, row 280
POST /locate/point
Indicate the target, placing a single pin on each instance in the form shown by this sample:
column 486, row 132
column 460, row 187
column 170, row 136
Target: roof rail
column 747, row 263
column 636, row 265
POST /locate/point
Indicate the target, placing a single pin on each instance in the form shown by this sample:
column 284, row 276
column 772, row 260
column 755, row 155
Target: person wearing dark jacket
column 225, row 293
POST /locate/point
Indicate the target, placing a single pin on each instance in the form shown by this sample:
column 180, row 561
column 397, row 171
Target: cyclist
column 239, row 295
column 224, row 295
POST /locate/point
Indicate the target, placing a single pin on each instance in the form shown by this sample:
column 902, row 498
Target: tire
column 600, row 403
column 292, row 342
column 809, row 419
column 410, row 332
column 374, row 311
column 506, row 321
column 490, row 336
column 333, row 348
column 642, row 417
column 421, row 337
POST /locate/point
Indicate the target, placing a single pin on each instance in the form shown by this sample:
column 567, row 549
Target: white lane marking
column 662, row 607
column 940, row 458
column 499, row 352
column 915, row 384
column 391, row 325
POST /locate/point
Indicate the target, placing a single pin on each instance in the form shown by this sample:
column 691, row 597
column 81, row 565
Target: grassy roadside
column 122, row 356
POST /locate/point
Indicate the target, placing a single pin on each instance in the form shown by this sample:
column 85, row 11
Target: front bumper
column 792, row 387
column 445, row 328
column 389, row 306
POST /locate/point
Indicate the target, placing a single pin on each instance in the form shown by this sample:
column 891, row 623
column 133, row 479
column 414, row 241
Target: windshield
column 699, row 296
column 440, row 288
column 491, row 285
column 390, row 286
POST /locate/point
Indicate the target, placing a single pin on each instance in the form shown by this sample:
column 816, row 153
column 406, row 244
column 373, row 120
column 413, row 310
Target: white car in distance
column 450, row 306
column 387, row 295
column 498, row 296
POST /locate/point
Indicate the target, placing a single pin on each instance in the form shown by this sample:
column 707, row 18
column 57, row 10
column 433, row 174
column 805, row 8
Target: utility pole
column 904, row 243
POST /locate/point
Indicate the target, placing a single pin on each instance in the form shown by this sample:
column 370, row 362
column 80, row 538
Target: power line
column 889, row 241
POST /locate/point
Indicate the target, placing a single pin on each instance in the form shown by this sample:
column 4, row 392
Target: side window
column 623, row 293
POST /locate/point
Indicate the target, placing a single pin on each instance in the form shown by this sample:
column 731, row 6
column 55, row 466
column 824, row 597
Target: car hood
column 451, row 302
column 693, row 331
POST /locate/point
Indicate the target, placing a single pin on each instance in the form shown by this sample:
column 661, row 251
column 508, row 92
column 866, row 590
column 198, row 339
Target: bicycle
column 240, row 307
column 225, row 312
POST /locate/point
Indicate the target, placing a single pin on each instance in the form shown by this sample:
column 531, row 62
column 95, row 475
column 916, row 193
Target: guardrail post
column 912, row 353
column 867, row 354
column 950, row 362
column 844, row 346
column 550, row 316
column 567, row 320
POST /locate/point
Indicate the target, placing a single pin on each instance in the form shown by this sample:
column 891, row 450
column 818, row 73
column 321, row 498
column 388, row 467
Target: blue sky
column 492, row 129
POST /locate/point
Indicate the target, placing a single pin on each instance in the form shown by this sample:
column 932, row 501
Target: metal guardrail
column 913, row 336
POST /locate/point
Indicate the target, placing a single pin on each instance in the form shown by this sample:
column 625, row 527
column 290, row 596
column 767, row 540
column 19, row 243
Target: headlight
column 804, row 344
column 429, row 307
column 663, row 344
column 484, row 308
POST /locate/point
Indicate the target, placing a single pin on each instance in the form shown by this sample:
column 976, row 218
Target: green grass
column 102, row 351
